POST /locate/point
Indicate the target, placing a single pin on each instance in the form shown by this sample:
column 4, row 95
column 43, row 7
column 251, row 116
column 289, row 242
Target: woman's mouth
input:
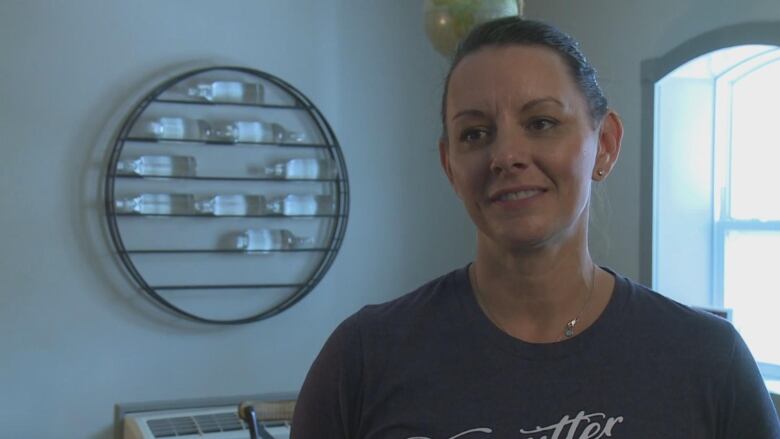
column 519, row 195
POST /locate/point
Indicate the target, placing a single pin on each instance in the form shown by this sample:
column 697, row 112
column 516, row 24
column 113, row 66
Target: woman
column 531, row 340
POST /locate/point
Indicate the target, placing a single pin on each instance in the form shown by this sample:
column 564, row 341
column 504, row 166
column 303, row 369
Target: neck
column 532, row 294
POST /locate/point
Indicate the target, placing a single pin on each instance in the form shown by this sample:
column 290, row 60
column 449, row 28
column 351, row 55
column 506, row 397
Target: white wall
column 617, row 35
column 75, row 336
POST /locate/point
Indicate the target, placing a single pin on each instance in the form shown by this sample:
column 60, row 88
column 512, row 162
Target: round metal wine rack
column 226, row 195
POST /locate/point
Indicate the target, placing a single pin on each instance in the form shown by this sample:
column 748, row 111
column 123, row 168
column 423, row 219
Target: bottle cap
column 242, row 241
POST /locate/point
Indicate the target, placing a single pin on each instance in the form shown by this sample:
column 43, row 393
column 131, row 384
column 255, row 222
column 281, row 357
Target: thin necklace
column 568, row 330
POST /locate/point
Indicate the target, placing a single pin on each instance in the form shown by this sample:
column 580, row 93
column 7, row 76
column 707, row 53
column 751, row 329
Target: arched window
column 716, row 190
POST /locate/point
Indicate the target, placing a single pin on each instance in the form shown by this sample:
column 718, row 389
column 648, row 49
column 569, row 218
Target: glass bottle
column 294, row 205
column 266, row 240
column 307, row 169
column 232, row 205
column 177, row 128
column 227, row 91
column 158, row 165
column 256, row 132
column 156, row 204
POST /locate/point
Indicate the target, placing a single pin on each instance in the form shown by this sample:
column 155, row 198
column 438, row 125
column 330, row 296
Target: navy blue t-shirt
column 431, row 365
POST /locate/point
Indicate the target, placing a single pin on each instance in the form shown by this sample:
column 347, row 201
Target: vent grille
column 193, row 425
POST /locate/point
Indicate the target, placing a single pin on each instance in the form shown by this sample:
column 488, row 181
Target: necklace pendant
column 570, row 328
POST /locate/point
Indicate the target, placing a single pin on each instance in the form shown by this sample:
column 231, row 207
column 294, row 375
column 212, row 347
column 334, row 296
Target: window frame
column 723, row 145
column 723, row 222
column 652, row 71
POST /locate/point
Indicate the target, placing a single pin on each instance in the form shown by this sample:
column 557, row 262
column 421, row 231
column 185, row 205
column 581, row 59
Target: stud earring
column 600, row 172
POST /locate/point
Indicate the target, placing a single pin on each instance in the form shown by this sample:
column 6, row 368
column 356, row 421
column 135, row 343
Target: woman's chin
column 517, row 241
column 528, row 238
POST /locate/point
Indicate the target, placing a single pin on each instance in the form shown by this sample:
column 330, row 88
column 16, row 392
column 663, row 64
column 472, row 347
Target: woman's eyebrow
column 541, row 101
column 468, row 112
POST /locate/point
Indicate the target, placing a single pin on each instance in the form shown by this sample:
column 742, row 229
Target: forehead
column 513, row 74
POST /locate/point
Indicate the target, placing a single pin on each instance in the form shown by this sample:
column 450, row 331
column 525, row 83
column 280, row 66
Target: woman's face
column 521, row 148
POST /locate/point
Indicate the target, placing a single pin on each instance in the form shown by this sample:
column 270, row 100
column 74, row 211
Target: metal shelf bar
column 186, row 215
column 217, row 142
column 178, row 177
column 239, row 104
column 182, row 251
column 224, row 287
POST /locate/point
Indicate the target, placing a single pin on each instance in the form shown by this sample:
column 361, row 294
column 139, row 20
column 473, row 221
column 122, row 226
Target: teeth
column 519, row 195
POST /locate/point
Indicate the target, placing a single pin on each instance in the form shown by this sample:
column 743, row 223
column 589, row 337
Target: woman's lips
column 516, row 194
column 519, row 195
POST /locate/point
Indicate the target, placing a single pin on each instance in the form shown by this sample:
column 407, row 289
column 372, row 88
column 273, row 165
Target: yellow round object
column 448, row 21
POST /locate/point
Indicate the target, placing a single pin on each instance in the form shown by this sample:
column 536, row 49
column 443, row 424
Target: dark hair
column 515, row 30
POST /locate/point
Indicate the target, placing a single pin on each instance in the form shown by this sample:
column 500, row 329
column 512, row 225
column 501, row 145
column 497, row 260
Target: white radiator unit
column 221, row 422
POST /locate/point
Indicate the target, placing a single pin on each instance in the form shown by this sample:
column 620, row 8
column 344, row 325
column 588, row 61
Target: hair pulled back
column 515, row 30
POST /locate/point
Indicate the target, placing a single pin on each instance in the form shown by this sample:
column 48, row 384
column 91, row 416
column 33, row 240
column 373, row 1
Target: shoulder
column 677, row 328
column 655, row 306
column 436, row 293
column 698, row 353
column 434, row 298
column 434, row 309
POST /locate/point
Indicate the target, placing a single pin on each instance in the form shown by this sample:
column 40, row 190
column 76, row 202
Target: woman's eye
column 474, row 135
column 541, row 124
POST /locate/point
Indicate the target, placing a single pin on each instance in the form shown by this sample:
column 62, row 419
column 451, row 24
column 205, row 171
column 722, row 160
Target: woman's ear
column 610, row 140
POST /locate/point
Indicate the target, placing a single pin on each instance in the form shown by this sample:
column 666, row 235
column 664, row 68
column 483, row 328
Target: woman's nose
column 509, row 154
